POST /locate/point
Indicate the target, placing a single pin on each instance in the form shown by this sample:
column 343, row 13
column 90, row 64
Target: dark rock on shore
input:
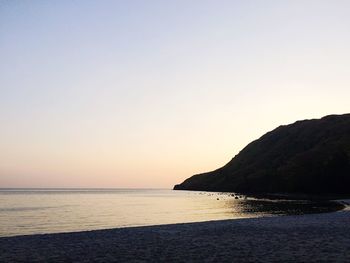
column 307, row 157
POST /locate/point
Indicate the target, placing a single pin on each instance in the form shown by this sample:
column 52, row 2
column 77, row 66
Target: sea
column 41, row 211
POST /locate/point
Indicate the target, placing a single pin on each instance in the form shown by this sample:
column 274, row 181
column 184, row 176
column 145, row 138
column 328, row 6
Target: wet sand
column 303, row 238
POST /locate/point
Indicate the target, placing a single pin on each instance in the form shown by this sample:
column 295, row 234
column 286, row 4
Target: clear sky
column 147, row 93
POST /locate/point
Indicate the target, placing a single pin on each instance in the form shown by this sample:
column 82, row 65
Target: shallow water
column 29, row 211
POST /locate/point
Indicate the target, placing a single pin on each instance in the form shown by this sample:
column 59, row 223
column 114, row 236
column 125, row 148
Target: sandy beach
column 306, row 238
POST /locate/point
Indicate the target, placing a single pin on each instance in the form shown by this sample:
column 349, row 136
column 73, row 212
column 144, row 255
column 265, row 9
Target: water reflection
column 49, row 211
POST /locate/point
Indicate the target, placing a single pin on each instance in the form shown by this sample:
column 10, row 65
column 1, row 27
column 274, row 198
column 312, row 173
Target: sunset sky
column 148, row 93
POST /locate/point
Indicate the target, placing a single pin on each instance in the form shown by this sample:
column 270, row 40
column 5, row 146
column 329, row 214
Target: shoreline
column 279, row 196
column 309, row 237
column 263, row 206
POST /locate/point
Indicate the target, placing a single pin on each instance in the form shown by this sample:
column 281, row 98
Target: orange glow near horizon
column 144, row 96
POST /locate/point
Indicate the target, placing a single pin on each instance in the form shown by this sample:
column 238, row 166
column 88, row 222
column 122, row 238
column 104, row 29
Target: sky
column 144, row 94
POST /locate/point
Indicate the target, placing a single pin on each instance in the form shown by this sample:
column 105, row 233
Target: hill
column 306, row 157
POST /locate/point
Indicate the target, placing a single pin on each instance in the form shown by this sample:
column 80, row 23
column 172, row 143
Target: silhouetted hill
column 310, row 157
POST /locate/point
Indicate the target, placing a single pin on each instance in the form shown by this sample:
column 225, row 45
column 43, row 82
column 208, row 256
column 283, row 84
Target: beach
column 304, row 238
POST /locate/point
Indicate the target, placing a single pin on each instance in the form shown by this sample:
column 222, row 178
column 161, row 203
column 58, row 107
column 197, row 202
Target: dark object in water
column 288, row 207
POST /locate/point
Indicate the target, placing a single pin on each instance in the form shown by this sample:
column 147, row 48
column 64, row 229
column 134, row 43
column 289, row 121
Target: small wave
column 21, row 209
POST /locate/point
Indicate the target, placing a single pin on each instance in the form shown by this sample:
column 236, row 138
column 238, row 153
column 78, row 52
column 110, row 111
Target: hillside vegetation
column 309, row 156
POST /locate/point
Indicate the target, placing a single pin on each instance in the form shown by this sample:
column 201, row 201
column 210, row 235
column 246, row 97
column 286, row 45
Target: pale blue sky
column 147, row 93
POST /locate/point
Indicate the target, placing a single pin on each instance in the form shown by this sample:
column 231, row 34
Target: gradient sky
column 147, row 93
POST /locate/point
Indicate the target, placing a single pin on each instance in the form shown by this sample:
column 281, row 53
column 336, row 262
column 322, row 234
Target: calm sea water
column 31, row 211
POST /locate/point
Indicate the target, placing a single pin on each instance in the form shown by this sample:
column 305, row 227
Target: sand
column 306, row 238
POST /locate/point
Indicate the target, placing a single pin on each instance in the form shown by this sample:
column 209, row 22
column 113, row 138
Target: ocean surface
column 38, row 211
